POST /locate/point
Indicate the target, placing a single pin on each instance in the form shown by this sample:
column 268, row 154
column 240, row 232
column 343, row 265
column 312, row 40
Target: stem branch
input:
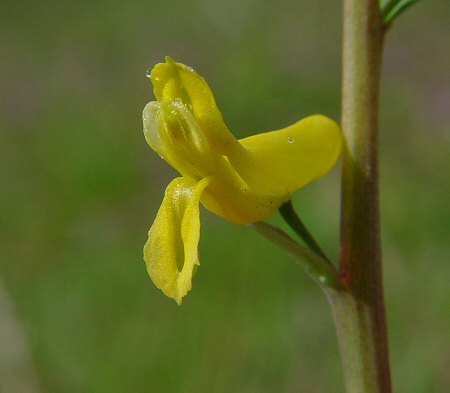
column 317, row 268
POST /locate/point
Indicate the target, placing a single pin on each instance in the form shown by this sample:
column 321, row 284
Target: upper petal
column 175, row 81
column 171, row 251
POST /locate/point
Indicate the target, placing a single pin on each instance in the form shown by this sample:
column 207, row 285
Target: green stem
column 290, row 216
column 317, row 268
column 359, row 312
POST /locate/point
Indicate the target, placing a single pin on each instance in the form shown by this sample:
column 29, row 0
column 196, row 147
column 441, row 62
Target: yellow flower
column 243, row 181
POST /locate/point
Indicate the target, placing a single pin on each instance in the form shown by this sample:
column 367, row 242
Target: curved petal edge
column 171, row 251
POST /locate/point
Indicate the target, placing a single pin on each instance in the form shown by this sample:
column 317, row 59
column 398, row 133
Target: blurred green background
column 80, row 188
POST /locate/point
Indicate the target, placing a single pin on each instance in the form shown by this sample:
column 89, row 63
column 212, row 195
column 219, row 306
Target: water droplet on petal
column 148, row 73
column 290, row 139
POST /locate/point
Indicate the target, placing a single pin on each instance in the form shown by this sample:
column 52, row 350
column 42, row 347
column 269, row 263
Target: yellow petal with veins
column 171, row 251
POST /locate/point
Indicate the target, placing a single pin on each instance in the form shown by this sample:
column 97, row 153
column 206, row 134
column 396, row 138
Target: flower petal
column 229, row 197
column 280, row 162
column 174, row 81
column 171, row 251
column 172, row 131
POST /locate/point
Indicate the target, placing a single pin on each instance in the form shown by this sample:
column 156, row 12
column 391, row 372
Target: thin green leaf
column 287, row 211
column 391, row 9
